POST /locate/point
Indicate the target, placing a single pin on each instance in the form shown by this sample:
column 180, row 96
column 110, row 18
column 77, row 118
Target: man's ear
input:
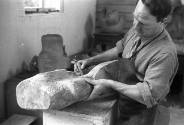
column 165, row 21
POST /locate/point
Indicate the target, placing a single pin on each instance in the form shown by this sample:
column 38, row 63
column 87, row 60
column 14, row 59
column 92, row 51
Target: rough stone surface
column 52, row 55
column 51, row 90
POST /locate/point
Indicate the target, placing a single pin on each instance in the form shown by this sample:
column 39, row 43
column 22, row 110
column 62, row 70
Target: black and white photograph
column 92, row 62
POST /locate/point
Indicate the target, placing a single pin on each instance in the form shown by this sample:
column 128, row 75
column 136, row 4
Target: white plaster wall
column 20, row 34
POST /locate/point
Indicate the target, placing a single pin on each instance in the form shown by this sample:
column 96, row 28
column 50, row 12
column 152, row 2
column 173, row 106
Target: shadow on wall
column 89, row 30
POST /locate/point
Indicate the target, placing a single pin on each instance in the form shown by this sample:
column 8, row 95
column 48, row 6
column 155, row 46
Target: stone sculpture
column 57, row 89
column 60, row 88
column 51, row 90
column 52, row 55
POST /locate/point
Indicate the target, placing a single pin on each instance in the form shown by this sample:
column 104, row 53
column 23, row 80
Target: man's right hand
column 80, row 65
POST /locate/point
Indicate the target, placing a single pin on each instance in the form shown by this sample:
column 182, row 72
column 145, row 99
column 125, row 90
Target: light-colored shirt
column 156, row 65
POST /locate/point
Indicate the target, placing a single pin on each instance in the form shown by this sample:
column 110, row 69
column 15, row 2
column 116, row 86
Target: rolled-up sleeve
column 158, row 78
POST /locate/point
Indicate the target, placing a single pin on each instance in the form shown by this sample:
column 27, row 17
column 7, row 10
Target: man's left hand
column 101, row 88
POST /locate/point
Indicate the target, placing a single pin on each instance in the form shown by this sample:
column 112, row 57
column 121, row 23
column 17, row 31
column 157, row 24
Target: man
column 153, row 53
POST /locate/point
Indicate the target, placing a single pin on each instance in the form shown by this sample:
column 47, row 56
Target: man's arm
column 108, row 55
column 112, row 53
column 105, row 56
column 155, row 86
column 128, row 90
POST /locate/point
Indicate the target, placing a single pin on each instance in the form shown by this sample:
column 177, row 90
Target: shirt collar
column 161, row 36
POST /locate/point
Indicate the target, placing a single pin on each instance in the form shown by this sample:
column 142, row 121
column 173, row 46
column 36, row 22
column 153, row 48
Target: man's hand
column 80, row 65
column 101, row 88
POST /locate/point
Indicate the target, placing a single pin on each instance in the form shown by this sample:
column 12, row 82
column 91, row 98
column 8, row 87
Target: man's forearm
column 108, row 55
column 128, row 90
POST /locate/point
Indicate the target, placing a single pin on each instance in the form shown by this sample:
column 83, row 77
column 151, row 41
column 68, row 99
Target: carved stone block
column 51, row 90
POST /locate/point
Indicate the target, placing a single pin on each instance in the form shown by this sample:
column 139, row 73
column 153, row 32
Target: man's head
column 149, row 14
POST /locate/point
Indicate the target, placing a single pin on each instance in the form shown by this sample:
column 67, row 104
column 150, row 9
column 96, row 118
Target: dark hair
column 158, row 8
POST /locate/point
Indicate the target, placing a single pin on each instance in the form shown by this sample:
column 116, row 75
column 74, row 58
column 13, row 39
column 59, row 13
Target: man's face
column 144, row 23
